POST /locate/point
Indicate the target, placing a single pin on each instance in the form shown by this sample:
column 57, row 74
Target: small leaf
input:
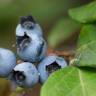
column 85, row 13
column 61, row 31
column 70, row 82
column 86, row 52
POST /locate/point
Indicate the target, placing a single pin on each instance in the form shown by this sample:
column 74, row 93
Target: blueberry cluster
column 31, row 48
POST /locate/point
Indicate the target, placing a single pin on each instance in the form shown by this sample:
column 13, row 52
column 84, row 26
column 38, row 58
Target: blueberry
column 28, row 24
column 24, row 75
column 7, row 62
column 50, row 64
column 31, row 47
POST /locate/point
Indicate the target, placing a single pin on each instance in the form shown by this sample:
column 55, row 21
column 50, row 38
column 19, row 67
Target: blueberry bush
column 70, row 31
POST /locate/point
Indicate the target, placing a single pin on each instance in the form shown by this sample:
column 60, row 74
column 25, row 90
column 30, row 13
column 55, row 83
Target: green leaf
column 86, row 52
column 70, row 82
column 85, row 13
column 63, row 29
column 86, row 55
column 87, row 35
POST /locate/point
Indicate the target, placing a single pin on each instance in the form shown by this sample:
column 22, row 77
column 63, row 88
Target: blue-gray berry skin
column 7, row 62
column 24, row 75
column 31, row 47
column 50, row 64
column 28, row 24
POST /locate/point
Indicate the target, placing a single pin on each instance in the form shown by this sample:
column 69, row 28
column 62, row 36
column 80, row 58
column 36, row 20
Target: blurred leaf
column 84, row 14
column 86, row 52
column 87, row 35
column 61, row 31
column 70, row 81
column 43, row 10
column 4, row 87
column 18, row 92
column 4, row 2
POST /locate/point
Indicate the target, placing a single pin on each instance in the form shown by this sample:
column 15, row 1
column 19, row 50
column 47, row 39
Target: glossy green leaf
column 70, row 82
column 85, row 13
column 61, row 31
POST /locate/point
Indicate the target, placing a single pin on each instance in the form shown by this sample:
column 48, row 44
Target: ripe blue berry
column 24, row 75
column 50, row 64
column 28, row 24
column 7, row 62
column 31, row 47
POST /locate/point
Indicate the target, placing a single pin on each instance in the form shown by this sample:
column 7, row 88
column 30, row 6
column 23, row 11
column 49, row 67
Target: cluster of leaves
column 78, row 79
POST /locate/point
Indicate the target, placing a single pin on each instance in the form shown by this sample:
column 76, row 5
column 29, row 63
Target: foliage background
column 51, row 15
